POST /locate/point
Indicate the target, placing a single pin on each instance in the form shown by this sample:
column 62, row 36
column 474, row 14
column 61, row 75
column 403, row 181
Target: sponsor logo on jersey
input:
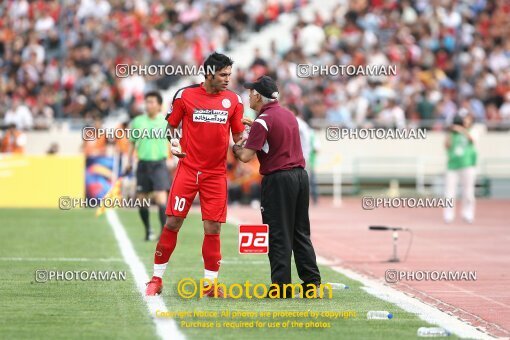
column 210, row 116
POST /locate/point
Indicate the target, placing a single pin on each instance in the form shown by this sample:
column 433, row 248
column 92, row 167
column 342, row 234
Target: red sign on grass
column 253, row 239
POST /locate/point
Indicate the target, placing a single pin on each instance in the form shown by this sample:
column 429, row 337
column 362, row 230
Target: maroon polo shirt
column 275, row 137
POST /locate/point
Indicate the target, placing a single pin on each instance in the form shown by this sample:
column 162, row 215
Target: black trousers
column 284, row 206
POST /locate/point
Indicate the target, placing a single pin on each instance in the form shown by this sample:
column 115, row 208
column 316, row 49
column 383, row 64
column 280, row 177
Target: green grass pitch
column 34, row 239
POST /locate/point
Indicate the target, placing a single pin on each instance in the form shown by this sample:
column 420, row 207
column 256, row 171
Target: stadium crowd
column 451, row 57
column 57, row 59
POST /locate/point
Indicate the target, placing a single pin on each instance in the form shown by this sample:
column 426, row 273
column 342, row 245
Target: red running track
column 341, row 234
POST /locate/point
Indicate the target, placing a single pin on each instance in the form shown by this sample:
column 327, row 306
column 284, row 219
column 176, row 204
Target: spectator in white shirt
column 392, row 116
column 20, row 115
column 504, row 110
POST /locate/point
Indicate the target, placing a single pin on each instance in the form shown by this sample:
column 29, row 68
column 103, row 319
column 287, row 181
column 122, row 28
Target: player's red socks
column 211, row 252
column 164, row 249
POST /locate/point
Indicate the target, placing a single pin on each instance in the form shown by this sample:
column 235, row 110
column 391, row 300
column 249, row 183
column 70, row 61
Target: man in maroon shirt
column 274, row 137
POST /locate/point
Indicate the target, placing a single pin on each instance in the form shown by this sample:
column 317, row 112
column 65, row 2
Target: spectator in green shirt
column 462, row 158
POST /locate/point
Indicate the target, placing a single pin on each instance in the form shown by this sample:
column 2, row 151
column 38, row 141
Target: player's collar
column 207, row 93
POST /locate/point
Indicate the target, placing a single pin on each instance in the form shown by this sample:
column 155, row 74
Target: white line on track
column 412, row 305
column 468, row 292
column 165, row 327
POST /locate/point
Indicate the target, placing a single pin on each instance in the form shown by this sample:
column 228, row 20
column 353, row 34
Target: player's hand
column 247, row 121
column 242, row 141
column 176, row 148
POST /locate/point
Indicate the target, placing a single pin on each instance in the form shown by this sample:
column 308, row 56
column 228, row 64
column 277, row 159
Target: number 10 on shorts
column 253, row 239
column 179, row 203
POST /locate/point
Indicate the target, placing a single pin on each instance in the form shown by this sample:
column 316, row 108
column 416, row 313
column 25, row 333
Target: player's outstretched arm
column 243, row 154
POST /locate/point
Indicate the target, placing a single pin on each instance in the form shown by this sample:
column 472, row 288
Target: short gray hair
column 266, row 100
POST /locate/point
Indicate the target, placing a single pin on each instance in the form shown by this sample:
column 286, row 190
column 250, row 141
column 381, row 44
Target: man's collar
column 268, row 105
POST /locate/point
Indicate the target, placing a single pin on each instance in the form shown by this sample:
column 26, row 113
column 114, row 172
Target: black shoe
column 273, row 293
column 307, row 287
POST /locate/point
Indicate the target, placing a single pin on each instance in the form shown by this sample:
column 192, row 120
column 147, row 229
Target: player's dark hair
column 216, row 62
column 155, row 94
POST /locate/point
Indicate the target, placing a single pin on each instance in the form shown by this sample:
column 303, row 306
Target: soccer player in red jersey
column 208, row 113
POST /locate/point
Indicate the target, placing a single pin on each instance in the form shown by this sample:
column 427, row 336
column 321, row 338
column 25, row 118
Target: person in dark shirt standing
column 274, row 137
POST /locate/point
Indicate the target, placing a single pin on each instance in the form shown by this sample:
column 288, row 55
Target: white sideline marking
column 60, row 259
column 165, row 327
column 412, row 305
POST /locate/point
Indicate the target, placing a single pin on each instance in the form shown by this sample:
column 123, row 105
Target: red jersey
column 207, row 120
